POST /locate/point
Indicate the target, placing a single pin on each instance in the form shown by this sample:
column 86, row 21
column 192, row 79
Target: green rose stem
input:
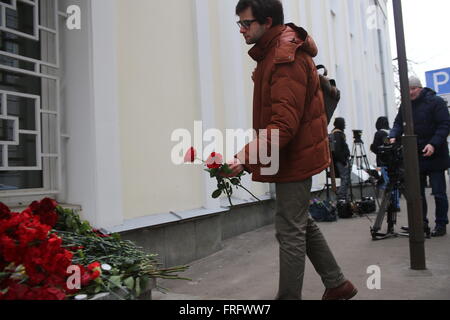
column 226, row 190
column 222, row 183
column 241, row 186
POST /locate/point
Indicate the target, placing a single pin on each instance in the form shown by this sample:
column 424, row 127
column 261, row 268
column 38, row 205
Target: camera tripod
column 388, row 206
column 330, row 181
column 359, row 157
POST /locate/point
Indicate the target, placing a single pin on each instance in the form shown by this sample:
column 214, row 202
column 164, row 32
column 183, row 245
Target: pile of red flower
column 33, row 263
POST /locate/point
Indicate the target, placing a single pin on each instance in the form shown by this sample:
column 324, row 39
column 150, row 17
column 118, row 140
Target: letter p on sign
column 439, row 81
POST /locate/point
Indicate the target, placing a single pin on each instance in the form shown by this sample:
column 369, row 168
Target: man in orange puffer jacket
column 289, row 108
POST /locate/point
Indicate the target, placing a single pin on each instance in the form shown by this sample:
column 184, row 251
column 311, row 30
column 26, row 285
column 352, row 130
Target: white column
column 106, row 114
column 206, row 84
column 233, row 77
column 304, row 14
column 90, row 100
column 289, row 12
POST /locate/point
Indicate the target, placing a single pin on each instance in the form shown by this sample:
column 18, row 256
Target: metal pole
column 412, row 178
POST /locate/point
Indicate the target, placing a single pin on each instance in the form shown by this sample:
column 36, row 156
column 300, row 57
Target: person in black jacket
column 380, row 139
column 341, row 157
column 432, row 127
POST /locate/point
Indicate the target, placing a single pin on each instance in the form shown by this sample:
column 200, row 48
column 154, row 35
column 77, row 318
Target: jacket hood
column 292, row 39
column 288, row 39
column 426, row 92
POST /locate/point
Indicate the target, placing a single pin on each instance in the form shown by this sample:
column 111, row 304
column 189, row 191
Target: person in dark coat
column 381, row 138
column 341, row 157
column 432, row 126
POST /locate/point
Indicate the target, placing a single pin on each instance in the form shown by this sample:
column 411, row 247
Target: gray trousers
column 344, row 171
column 299, row 236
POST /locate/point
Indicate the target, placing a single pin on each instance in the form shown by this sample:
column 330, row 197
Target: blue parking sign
column 439, row 80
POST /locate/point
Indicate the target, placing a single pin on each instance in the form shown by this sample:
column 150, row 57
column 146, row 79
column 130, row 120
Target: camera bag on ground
column 367, row 205
column 344, row 209
column 322, row 211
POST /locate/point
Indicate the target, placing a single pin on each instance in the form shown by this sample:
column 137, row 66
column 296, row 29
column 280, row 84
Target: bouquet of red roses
column 221, row 171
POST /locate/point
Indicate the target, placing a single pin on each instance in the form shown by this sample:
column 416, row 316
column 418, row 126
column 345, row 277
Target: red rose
column 190, row 156
column 214, row 161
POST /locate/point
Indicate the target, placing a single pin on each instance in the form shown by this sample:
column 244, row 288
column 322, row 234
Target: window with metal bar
column 29, row 102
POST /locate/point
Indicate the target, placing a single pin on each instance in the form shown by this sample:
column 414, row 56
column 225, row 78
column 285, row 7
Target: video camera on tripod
column 391, row 157
column 366, row 205
column 357, row 136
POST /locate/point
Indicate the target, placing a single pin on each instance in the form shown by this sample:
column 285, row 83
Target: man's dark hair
column 339, row 123
column 263, row 9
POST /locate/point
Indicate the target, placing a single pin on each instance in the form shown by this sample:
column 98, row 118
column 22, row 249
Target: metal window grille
column 30, row 115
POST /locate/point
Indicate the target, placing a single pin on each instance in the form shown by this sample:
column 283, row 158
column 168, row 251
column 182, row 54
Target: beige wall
column 158, row 93
column 159, row 87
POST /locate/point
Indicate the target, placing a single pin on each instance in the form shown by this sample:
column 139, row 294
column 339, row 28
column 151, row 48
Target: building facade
column 93, row 91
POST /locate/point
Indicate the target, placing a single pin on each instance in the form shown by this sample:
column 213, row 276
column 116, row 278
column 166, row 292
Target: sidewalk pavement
column 247, row 267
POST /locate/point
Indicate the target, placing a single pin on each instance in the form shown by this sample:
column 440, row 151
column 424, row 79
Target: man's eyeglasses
column 245, row 24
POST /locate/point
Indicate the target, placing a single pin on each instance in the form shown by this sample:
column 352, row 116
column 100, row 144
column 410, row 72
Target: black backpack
column 331, row 94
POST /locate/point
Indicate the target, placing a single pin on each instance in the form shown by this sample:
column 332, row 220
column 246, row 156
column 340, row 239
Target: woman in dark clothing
column 380, row 138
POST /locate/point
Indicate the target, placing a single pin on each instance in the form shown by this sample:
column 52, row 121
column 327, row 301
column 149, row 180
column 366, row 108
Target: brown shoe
column 345, row 292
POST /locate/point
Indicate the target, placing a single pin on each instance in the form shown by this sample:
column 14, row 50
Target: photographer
column 431, row 124
column 341, row 157
column 380, row 139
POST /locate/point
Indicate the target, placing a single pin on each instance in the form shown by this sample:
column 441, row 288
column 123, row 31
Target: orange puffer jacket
column 287, row 98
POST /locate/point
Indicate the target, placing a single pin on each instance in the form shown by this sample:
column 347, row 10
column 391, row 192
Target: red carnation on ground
column 95, row 270
column 5, row 213
column 45, row 210
column 100, row 234
column 35, row 255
